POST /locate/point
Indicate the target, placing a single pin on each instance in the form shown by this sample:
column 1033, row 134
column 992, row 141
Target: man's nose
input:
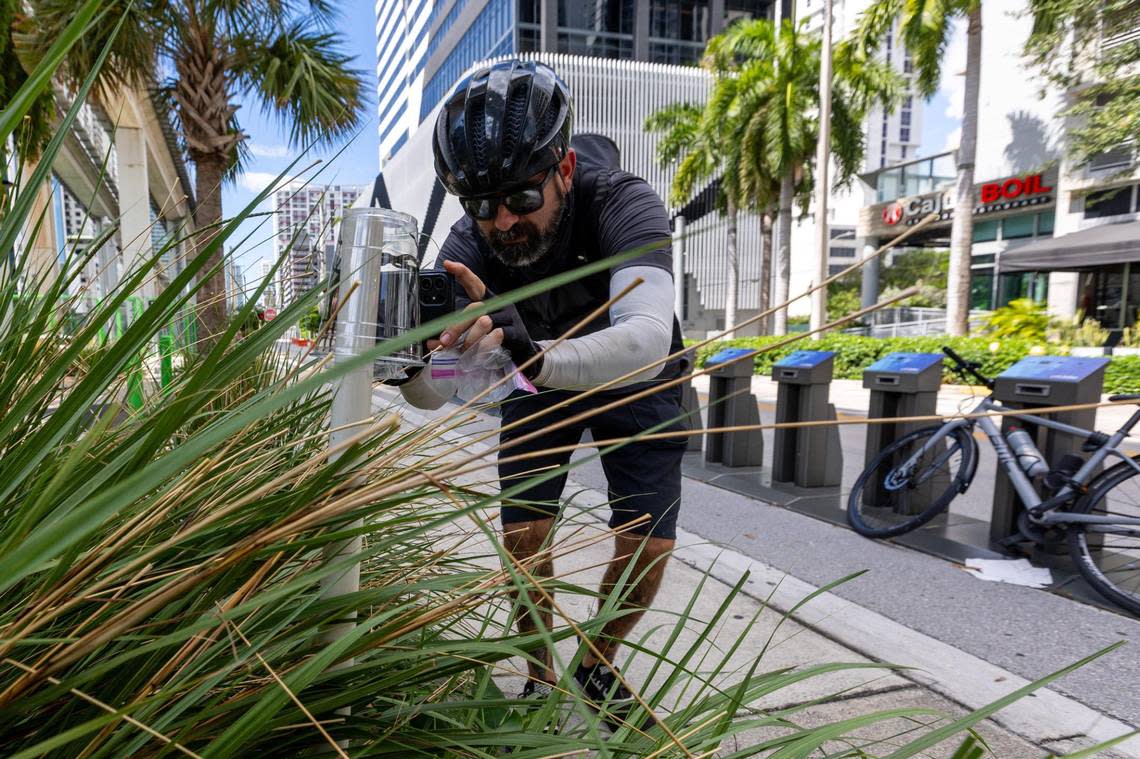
column 504, row 219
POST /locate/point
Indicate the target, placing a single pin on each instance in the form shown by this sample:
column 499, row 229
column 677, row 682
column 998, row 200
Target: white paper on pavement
column 1013, row 571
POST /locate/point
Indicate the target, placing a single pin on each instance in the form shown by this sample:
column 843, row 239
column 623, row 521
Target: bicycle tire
column 1090, row 566
column 891, row 456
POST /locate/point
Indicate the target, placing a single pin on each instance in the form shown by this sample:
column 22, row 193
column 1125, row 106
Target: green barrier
column 135, row 396
column 166, row 351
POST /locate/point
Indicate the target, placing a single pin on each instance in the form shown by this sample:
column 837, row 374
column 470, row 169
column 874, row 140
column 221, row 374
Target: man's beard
column 524, row 244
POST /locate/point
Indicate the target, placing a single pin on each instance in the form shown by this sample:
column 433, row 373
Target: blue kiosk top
column 804, row 359
column 726, row 355
column 1055, row 368
column 905, row 363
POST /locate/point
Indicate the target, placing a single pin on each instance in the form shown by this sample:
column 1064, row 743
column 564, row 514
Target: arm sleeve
column 640, row 334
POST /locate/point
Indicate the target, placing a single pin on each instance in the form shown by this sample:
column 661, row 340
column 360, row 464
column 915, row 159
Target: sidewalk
column 834, row 628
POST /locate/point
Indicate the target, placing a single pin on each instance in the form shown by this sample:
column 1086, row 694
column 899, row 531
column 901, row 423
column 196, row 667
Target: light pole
column 822, row 239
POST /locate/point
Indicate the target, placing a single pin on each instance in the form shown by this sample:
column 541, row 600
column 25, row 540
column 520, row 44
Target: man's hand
column 503, row 327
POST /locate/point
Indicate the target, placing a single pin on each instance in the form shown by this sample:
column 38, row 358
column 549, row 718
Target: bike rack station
column 731, row 404
column 901, row 385
column 1037, row 381
column 811, row 457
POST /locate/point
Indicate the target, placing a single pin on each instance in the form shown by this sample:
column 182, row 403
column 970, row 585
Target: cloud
column 256, row 181
column 268, row 151
column 953, row 138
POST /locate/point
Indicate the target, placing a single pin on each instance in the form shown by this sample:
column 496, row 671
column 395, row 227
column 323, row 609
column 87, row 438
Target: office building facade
column 441, row 39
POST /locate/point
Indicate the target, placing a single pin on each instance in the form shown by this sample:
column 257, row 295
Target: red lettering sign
column 1015, row 187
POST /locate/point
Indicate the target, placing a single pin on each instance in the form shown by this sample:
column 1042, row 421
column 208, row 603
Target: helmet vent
column 478, row 131
column 513, row 123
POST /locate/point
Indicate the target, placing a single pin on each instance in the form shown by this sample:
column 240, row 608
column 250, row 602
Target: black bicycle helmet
column 502, row 125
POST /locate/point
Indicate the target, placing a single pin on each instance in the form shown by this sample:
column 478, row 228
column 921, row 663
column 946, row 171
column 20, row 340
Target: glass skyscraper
column 425, row 46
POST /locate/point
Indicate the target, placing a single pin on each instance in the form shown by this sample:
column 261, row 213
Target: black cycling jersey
column 611, row 212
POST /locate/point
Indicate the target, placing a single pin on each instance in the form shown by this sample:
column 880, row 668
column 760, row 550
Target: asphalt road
column 1029, row 632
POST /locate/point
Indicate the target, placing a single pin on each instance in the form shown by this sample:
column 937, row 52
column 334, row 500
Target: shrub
column 1023, row 317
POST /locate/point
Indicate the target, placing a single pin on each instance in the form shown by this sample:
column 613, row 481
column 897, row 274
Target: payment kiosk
column 1037, row 381
column 732, row 404
column 810, row 457
column 901, row 385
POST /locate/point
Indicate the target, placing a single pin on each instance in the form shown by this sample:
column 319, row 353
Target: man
column 502, row 144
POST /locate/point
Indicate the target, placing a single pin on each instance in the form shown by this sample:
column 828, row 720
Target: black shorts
column 644, row 477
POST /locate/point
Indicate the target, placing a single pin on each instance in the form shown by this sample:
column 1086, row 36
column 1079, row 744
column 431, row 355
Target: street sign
column 270, row 314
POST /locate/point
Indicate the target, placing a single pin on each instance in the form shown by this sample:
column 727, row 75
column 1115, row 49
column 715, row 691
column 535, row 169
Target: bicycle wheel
column 887, row 501
column 1110, row 561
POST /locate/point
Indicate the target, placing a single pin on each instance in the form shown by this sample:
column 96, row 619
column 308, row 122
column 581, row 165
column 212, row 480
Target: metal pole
column 679, row 267
column 352, row 400
column 822, row 240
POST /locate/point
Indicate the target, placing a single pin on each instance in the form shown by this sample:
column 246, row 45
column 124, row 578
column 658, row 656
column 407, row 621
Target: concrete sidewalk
column 831, row 628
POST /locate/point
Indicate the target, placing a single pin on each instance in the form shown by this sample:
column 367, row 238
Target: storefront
column 1107, row 261
column 1009, row 212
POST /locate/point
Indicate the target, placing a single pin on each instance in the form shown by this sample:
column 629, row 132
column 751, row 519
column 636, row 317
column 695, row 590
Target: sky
column 358, row 163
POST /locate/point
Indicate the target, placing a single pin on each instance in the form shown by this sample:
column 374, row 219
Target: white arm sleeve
column 641, row 333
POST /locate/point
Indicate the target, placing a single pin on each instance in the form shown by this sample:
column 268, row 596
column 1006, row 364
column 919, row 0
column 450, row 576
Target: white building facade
column 306, row 217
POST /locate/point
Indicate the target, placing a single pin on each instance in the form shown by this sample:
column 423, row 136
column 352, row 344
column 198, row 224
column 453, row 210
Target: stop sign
column 270, row 314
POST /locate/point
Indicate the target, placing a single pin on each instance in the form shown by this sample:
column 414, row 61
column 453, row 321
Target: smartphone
column 437, row 294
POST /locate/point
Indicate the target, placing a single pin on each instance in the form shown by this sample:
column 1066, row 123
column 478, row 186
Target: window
column 1017, row 227
column 841, row 252
column 904, row 118
column 1045, row 223
column 1108, row 203
column 984, row 231
column 834, row 269
column 840, row 233
column 904, row 134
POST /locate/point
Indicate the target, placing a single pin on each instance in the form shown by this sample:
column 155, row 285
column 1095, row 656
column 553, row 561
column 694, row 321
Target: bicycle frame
column 1041, row 511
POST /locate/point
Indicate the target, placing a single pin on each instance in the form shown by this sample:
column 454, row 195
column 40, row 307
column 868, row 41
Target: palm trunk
column 962, row 229
column 765, row 299
column 733, row 271
column 783, row 253
column 208, row 173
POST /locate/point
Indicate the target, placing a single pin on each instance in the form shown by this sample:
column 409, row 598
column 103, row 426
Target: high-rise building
column 425, row 46
column 304, row 223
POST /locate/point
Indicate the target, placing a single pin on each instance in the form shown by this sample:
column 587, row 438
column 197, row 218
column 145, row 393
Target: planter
column 1118, row 351
column 1084, row 351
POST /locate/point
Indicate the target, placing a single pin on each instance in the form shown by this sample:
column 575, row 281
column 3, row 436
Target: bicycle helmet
column 502, row 125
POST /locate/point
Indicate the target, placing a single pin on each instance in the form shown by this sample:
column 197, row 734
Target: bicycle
column 915, row 478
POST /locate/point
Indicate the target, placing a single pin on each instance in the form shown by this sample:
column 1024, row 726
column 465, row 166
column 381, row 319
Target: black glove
column 516, row 339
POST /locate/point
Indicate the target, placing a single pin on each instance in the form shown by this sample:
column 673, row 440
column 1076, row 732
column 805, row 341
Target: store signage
column 270, row 314
column 1014, row 187
column 997, row 196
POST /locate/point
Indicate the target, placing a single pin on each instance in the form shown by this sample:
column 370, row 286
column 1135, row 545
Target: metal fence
column 910, row 322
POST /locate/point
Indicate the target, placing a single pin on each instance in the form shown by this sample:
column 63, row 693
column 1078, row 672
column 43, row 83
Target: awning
column 1097, row 246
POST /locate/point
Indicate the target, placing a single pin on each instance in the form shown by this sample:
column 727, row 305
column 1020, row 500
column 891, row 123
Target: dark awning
column 1097, row 246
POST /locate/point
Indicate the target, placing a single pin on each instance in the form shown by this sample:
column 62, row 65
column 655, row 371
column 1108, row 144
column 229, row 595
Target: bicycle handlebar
column 967, row 367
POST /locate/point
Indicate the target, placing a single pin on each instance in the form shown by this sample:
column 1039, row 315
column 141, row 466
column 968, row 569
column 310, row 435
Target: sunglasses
column 519, row 202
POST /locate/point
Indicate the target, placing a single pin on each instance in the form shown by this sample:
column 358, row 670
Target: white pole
column 822, row 239
column 679, row 267
column 360, row 251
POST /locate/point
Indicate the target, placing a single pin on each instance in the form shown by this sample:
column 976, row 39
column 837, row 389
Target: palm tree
column 775, row 75
column 924, row 27
column 283, row 53
column 703, row 149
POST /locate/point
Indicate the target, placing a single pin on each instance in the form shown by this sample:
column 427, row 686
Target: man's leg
column 641, row 583
column 523, row 540
column 644, row 480
column 529, row 517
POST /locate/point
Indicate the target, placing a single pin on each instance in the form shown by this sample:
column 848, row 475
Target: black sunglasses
column 521, row 201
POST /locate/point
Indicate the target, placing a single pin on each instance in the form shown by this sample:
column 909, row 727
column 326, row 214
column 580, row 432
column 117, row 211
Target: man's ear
column 566, row 167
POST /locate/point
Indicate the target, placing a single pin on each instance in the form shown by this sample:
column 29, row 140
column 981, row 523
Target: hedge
column 854, row 353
